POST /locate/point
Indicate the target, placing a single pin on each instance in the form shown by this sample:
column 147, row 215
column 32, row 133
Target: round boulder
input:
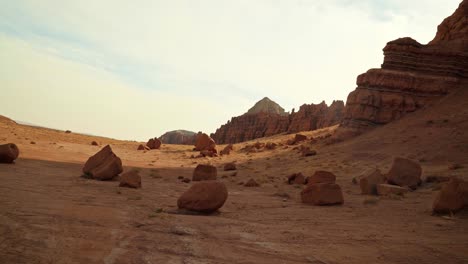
column 8, row 153
column 205, row 197
column 405, row 173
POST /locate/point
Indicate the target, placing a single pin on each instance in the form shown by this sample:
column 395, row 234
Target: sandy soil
column 49, row 214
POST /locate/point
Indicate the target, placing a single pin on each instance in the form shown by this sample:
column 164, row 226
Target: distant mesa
column 180, row 137
column 412, row 76
column 267, row 118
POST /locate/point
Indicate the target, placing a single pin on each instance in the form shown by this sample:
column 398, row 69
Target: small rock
column 204, row 172
column 251, row 183
column 130, row 179
column 453, row 196
column 322, row 194
column 296, row 178
column 438, row 178
column 186, row 180
column 388, row 189
column 153, row 143
column 369, row 182
column 230, row 166
column 94, row 143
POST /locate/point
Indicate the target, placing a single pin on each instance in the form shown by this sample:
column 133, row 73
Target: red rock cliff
column 412, row 75
column 270, row 121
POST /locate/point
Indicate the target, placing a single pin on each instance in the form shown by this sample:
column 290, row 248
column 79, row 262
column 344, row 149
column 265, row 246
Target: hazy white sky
column 135, row 69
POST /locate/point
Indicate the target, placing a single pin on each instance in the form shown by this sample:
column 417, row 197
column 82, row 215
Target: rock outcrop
column 8, row 153
column 180, row 137
column 315, row 116
column 104, row 165
column 412, row 75
column 251, row 126
column 267, row 118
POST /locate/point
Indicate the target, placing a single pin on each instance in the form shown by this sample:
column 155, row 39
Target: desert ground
column 49, row 214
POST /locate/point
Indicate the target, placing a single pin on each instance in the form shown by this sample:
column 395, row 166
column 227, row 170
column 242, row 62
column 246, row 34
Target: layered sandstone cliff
column 268, row 118
column 315, row 116
column 412, row 75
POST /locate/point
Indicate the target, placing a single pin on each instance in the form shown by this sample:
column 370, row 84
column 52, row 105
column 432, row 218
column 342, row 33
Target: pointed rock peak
column 266, row 105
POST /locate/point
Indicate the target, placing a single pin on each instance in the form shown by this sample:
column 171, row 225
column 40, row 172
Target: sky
column 136, row 69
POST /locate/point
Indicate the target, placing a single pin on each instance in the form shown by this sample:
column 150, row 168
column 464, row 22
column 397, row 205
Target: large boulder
column 368, row 183
column 205, row 197
column 130, row 179
column 104, row 165
column 205, row 142
column 8, row 153
column 322, row 194
column 204, row 173
column 453, row 196
column 405, row 173
column 321, row 177
column 153, row 143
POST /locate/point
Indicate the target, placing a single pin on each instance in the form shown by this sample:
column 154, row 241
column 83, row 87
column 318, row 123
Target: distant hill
column 180, row 137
